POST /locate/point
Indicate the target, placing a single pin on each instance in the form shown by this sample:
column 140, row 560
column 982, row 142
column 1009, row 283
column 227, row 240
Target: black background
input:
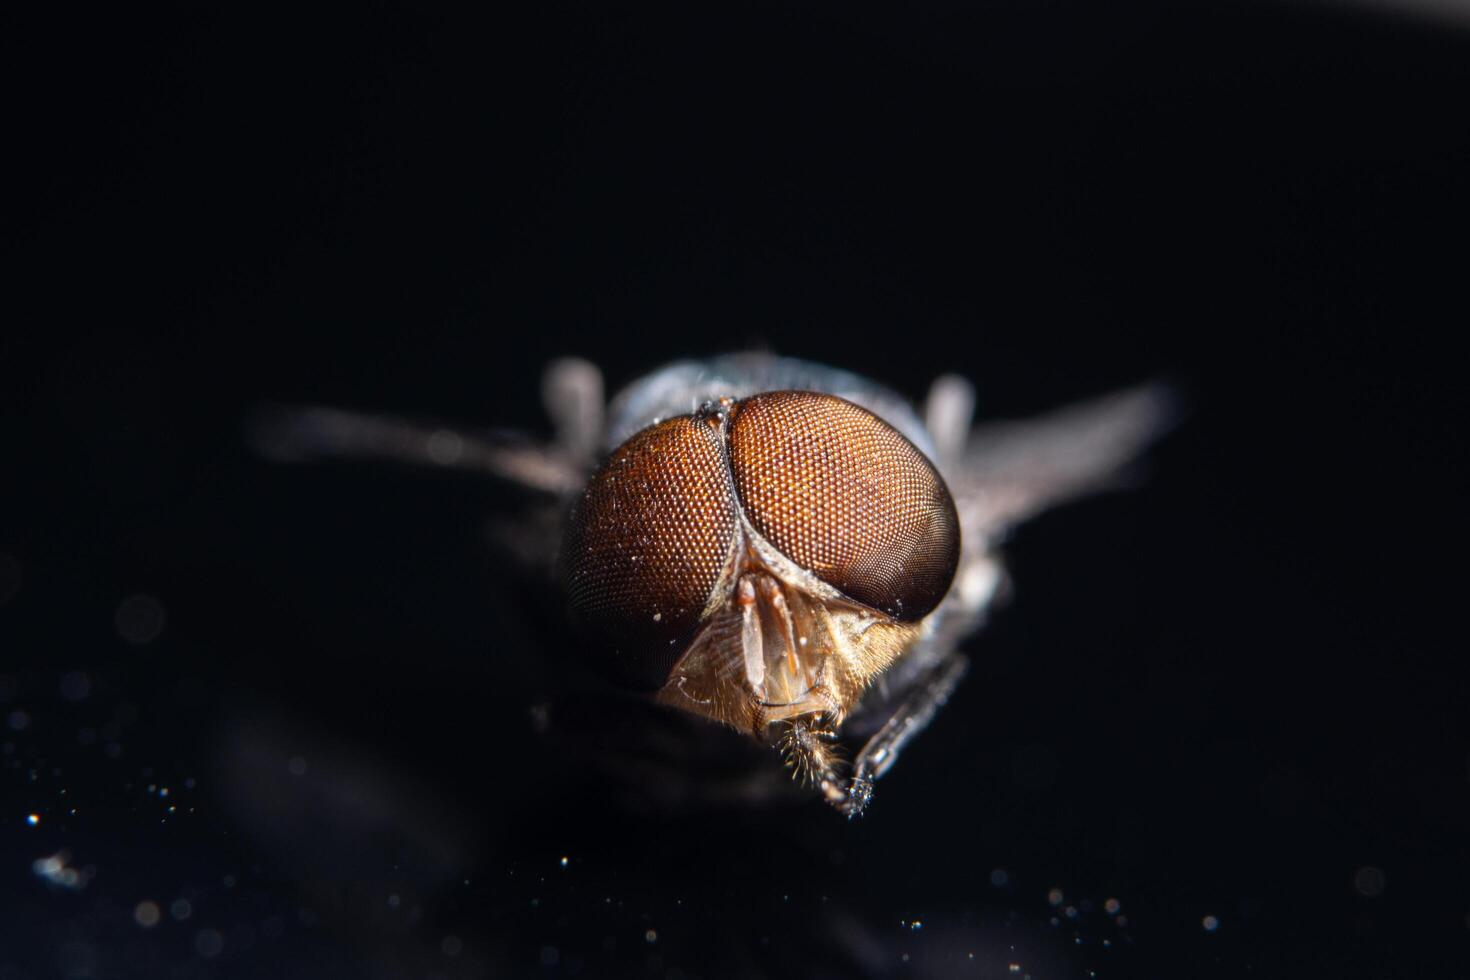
column 1224, row 694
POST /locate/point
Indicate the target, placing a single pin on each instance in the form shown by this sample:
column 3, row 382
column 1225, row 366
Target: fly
column 780, row 547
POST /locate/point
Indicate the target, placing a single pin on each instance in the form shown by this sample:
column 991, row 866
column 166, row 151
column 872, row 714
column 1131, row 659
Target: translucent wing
column 571, row 390
column 1011, row 471
column 310, row 433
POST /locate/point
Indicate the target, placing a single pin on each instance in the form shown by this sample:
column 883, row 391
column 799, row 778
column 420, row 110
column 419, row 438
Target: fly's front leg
column 812, row 757
column 913, row 715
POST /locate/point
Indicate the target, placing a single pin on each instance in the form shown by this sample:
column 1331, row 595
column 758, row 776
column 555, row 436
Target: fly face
column 762, row 560
column 783, row 548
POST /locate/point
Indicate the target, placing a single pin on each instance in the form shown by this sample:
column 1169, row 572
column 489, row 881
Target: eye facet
column 845, row 496
column 649, row 538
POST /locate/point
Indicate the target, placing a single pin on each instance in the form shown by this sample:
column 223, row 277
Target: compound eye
column 648, row 540
column 845, row 496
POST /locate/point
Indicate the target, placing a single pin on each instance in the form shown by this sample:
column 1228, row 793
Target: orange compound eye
column 649, row 539
column 845, row 496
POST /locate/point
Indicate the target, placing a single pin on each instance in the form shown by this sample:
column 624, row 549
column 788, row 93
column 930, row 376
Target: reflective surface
column 1218, row 731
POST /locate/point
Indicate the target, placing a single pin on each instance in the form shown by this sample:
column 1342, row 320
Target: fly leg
column 913, row 715
column 812, row 757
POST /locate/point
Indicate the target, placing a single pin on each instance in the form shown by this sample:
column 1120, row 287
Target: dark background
column 1230, row 693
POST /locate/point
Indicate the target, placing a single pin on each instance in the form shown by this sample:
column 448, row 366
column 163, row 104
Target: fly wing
column 1011, row 471
column 313, row 433
column 571, row 390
